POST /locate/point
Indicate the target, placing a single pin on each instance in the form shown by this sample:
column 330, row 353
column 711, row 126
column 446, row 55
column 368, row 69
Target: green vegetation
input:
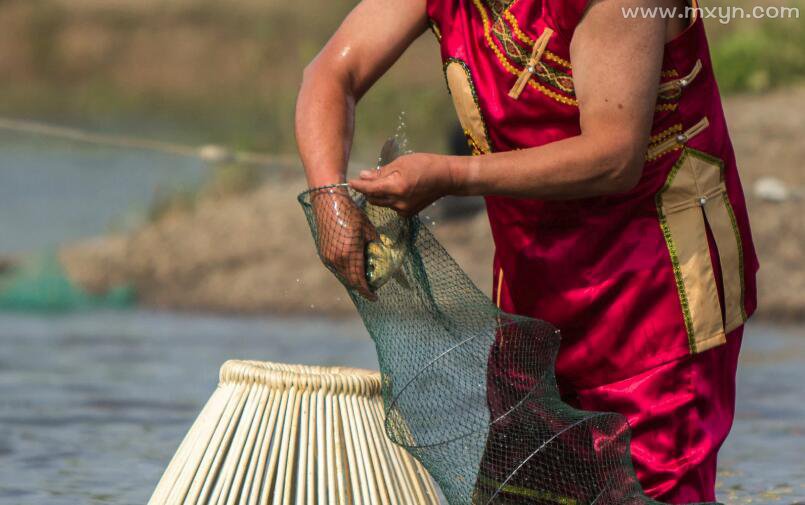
column 760, row 56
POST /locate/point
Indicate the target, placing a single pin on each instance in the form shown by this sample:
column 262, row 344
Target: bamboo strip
column 232, row 457
column 190, row 486
column 320, row 444
column 355, row 472
column 292, row 435
column 275, row 444
column 399, row 470
column 285, row 483
column 301, row 466
column 380, row 456
column 363, row 457
column 376, row 486
column 222, row 447
column 248, row 479
column 180, row 458
column 330, row 446
column 340, row 468
column 265, row 442
column 206, row 428
column 310, row 474
column 246, row 445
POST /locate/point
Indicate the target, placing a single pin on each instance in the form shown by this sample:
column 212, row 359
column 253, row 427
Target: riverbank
column 251, row 252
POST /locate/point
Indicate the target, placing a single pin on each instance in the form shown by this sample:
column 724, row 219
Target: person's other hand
column 408, row 184
column 343, row 232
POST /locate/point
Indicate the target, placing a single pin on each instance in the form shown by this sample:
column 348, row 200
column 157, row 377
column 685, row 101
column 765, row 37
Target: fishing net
column 468, row 390
column 40, row 284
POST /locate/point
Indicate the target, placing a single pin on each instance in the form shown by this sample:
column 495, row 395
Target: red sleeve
column 565, row 15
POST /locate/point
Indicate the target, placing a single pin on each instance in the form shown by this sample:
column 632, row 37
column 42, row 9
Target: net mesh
column 469, row 390
column 41, row 284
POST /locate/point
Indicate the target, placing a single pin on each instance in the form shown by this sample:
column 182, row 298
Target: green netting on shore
column 469, row 390
column 40, row 284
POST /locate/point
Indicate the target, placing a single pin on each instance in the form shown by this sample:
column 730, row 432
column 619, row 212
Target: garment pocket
column 465, row 100
column 693, row 197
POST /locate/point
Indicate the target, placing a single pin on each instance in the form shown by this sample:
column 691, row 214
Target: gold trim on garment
column 468, row 108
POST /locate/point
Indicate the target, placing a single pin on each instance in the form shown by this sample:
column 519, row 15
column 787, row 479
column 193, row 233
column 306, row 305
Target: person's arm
column 616, row 73
column 366, row 44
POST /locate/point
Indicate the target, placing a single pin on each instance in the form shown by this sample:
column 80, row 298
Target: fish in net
column 468, row 390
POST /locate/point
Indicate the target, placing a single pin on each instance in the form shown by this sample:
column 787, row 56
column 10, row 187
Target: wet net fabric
column 468, row 390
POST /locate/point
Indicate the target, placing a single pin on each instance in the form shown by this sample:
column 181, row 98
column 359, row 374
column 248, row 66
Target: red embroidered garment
column 634, row 281
column 627, row 278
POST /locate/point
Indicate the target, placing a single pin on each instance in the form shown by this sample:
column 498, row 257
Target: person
column 617, row 214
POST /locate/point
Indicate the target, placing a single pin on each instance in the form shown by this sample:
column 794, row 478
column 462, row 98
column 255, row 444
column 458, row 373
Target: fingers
column 374, row 186
column 380, row 190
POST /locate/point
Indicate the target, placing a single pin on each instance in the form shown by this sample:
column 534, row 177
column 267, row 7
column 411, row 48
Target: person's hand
column 408, row 184
column 343, row 231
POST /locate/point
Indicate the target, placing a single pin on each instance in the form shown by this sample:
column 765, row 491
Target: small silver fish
column 384, row 258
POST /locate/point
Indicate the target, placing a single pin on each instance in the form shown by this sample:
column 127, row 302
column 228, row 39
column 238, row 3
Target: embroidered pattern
column 504, row 61
column 659, row 137
column 737, row 232
column 655, row 152
column 673, row 139
column 671, row 91
column 669, row 242
column 498, row 7
column 520, row 55
column 528, row 40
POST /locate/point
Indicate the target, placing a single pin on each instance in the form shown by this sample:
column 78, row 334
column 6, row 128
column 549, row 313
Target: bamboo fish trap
column 292, row 434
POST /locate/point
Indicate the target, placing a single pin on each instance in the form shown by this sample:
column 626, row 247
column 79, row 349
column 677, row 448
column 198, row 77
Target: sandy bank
column 253, row 252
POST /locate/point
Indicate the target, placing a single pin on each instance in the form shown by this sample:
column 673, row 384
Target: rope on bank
column 207, row 153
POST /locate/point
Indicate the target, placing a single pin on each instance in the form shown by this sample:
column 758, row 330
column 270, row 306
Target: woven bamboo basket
column 292, row 434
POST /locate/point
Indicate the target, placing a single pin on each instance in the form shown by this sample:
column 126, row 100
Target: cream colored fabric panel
column 690, row 243
column 728, row 241
column 464, row 100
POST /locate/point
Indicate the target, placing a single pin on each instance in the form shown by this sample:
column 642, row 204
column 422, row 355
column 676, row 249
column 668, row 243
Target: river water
column 92, row 405
column 52, row 191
